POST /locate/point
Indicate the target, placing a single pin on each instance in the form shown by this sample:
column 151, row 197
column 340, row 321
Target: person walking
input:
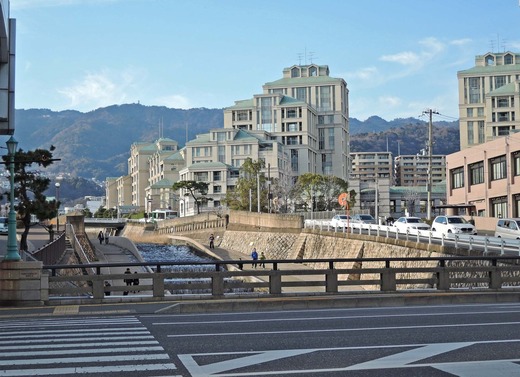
column 254, row 256
column 262, row 259
column 107, row 234
column 100, row 237
column 129, row 281
column 211, row 241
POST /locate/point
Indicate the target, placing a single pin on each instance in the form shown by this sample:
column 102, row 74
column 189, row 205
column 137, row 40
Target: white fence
column 486, row 244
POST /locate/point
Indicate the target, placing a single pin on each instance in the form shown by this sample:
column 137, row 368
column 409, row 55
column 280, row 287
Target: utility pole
column 430, row 112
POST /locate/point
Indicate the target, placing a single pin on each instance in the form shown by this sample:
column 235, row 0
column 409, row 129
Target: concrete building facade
column 412, row 170
column 487, row 177
column 370, row 166
column 489, row 98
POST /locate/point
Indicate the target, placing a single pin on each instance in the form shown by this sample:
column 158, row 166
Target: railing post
column 502, row 246
column 275, row 283
column 443, row 277
column 98, row 289
column 331, row 281
column 388, row 282
column 495, row 278
column 158, row 285
column 217, row 284
column 456, row 242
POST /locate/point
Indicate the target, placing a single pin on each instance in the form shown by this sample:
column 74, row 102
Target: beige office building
column 489, row 98
column 412, row 170
column 306, row 111
column 370, row 166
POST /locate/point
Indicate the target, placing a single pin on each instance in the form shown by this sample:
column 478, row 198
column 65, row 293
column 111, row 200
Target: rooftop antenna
column 311, row 55
column 300, row 55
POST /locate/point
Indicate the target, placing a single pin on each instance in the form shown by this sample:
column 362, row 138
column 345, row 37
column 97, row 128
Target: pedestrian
column 262, row 259
column 136, row 281
column 100, row 237
column 128, row 281
column 254, row 256
column 107, row 291
column 240, row 264
column 211, row 241
column 107, row 234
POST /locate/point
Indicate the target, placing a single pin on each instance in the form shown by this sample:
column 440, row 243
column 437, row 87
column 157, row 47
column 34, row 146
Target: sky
column 399, row 57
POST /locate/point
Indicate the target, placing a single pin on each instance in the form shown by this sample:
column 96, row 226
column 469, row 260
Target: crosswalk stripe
column 85, row 370
column 83, row 345
column 57, row 347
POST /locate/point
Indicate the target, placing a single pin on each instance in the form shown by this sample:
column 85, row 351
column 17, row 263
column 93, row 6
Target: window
column 469, row 112
column 221, row 153
column 325, row 103
column 234, row 174
column 221, row 136
column 457, row 178
column 481, row 132
column 295, row 72
column 500, row 81
column 292, row 127
column 291, row 112
column 499, row 207
column 200, row 176
column 508, row 59
column 313, row 71
column 301, row 94
column 217, row 189
column 294, row 160
column 502, row 102
column 470, row 133
column 516, row 163
column 498, row 168
column 291, row 140
column 474, row 90
column 476, row 172
column 216, row 176
column 331, row 138
column 321, row 138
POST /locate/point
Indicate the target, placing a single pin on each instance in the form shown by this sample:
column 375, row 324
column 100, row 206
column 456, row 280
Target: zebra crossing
column 103, row 346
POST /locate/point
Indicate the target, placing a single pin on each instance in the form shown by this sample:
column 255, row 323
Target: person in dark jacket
column 129, row 280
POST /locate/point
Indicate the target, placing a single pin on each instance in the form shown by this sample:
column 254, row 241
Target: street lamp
column 12, row 246
column 57, row 184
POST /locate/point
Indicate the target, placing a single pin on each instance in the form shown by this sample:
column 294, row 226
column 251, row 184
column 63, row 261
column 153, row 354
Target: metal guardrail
column 487, row 244
column 329, row 276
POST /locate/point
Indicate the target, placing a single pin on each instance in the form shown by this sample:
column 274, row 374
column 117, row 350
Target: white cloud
column 368, row 74
column 461, row 42
column 102, row 89
column 175, row 101
column 405, row 58
column 389, row 101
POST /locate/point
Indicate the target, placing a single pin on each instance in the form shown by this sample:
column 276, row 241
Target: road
column 469, row 340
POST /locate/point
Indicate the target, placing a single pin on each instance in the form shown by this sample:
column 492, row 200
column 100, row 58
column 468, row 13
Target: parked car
column 363, row 219
column 508, row 228
column 405, row 224
column 453, row 224
column 340, row 221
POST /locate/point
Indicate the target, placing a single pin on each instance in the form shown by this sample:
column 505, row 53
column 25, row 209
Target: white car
column 405, row 224
column 453, row 225
column 340, row 221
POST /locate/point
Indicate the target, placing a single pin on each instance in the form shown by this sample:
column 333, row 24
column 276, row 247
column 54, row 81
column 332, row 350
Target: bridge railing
column 328, row 276
column 487, row 244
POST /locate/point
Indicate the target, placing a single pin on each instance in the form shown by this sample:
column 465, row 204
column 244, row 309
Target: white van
column 508, row 228
column 4, row 225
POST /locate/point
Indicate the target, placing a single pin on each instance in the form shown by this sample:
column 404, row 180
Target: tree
column 239, row 198
column 29, row 188
column 197, row 190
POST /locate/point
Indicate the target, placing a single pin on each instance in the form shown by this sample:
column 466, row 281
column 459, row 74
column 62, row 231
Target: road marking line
column 66, row 309
column 92, row 359
column 344, row 330
column 77, row 339
column 84, row 370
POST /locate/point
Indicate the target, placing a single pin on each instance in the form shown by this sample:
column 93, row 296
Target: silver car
column 340, row 221
column 364, row 219
column 405, row 224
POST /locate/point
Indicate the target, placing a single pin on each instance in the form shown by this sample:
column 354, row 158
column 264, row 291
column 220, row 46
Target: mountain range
column 96, row 144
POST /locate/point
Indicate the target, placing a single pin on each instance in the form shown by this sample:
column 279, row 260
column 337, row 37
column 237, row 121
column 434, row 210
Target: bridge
column 314, row 261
